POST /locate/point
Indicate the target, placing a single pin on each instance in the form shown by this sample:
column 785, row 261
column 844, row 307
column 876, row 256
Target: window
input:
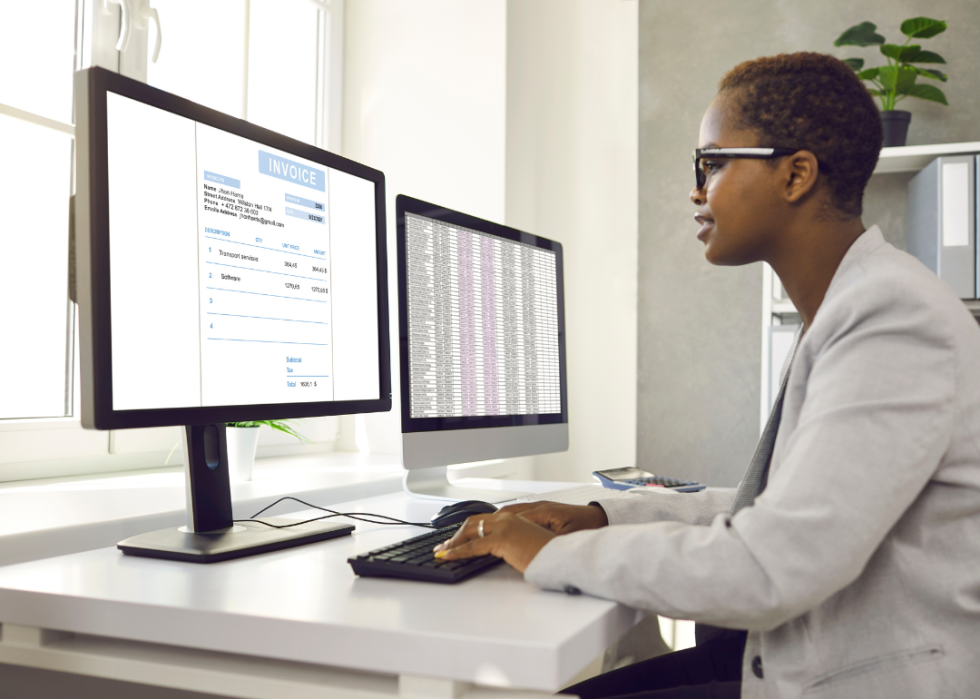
column 274, row 62
column 35, row 183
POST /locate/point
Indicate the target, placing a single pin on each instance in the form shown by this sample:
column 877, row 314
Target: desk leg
column 412, row 687
column 30, row 637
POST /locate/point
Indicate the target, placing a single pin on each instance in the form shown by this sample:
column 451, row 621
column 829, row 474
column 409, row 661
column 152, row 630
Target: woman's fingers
column 469, row 531
column 505, row 535
column 468, row 549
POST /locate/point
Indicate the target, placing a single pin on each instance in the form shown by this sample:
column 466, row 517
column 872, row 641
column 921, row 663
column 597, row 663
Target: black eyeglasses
column 754, row 153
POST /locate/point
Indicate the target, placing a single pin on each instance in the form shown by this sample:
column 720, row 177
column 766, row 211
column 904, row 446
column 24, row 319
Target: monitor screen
column 482, row 325
column 248, row 244
column 243, row 266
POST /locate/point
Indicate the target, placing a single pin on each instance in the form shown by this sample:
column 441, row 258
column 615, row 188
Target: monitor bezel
column 93, row 260
column 408, row 205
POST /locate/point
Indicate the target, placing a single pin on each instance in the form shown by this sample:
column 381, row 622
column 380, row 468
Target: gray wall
column 700, row 338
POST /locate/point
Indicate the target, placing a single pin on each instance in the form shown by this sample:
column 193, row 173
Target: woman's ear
column 799, row 175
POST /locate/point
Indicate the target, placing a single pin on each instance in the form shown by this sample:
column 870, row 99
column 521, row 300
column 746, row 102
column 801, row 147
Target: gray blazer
column 857, row 571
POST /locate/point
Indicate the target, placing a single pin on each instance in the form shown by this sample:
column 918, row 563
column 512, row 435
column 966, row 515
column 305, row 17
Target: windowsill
column 57, row 516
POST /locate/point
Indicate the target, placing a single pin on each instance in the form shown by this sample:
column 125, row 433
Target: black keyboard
column 413, row 559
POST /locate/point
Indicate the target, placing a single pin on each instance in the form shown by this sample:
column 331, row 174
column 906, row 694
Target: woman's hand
column 561, row 519
column 505, row 535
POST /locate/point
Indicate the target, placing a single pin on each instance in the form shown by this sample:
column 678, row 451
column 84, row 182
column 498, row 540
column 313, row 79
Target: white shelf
column 57, row 516
column 891, row 160
column 784, row 307
column 973, row 307
column 914, row 158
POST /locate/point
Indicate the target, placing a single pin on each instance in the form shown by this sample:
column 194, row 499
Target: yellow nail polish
column 441, row 554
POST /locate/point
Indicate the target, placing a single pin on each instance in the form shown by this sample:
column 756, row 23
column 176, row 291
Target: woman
column 848, row 562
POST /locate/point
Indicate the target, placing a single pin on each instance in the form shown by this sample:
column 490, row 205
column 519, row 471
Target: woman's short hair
column 814, row 102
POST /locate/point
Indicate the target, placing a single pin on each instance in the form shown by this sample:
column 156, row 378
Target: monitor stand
column 433, row 483
column 210, row 535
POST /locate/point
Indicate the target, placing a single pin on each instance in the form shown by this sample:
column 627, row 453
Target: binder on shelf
column 942, row 221
column 780, row 343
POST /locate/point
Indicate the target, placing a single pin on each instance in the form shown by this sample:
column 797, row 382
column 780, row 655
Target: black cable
column 359, row 516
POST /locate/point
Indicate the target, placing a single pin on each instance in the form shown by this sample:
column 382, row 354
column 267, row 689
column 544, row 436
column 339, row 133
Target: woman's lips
column 705, row 222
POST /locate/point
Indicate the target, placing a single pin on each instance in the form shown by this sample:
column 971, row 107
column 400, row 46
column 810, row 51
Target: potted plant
column 897, row 80
column 243, row 440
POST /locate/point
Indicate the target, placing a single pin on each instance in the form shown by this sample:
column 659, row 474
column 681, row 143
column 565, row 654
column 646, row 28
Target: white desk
column 298, row 623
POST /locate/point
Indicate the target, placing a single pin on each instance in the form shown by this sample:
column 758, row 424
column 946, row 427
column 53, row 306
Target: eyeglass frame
column 751, row 153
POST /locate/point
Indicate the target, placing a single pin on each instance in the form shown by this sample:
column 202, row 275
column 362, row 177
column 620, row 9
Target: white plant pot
column 242, row 443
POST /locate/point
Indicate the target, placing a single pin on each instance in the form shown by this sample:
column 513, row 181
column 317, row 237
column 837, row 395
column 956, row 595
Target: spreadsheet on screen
column 483, row 323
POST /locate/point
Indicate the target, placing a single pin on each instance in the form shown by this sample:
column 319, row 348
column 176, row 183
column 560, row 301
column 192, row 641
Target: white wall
column 526, row 113
column 572, row 176
column 424, row 103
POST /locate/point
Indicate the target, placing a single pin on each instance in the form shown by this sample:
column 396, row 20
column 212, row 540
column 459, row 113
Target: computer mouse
column 459, row 511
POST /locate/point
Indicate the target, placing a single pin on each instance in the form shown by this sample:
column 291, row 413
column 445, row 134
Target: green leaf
column 902, row 54
column 875, row 93
column 896, row 78
column 887, row 75
column 856, row 64
column 927, row 57
column 281, row 425
column 860, row 35
column 922, row 27
column 931, row 74
column 869, row 74
column 906, row 78
column 927, row 92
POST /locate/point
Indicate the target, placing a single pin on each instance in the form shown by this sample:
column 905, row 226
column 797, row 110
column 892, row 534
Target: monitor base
column 242, row 539
column 433, row 483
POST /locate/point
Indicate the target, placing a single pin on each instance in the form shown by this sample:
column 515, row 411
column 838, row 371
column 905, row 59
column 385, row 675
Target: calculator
column 629, row 477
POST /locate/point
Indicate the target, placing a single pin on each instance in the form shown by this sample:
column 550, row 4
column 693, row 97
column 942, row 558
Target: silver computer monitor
column 482, row 346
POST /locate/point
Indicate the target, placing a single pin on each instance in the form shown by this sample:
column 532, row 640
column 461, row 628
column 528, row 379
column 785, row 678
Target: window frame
column 34, row 448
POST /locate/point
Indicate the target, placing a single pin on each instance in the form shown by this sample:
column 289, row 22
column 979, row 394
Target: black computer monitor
column 482, row 345
column 224, row 273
